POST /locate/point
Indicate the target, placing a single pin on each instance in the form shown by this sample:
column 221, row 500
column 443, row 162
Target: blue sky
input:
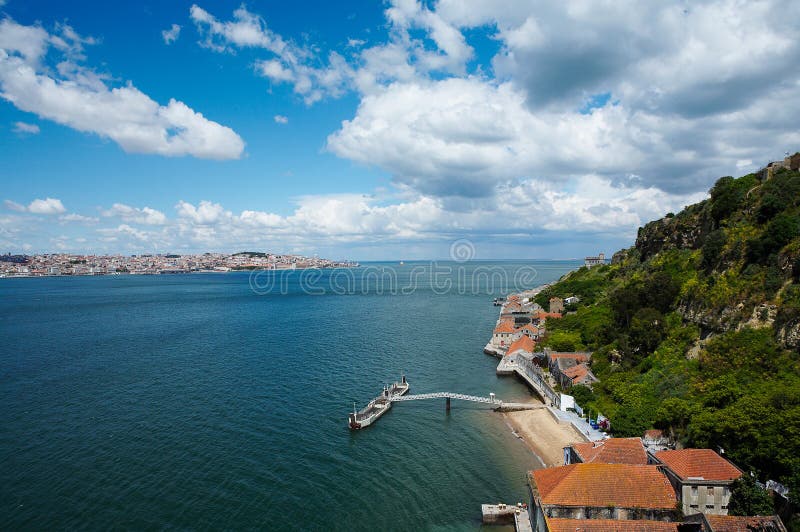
column 380, row 130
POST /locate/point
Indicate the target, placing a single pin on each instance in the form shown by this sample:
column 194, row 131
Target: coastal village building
column 611, row 451
column 701, row 478
column 556, row 305
column 558, row 524
column 540, row 317
column 530, row 330
column 599, row 260
column 655, row 440
column 601, row 491
column 569, row 369
column 523, row 344
column 578, row 374
column 504, row 333
column 730, row 523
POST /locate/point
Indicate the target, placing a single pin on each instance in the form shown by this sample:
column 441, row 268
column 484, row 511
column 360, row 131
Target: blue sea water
column 209, row 401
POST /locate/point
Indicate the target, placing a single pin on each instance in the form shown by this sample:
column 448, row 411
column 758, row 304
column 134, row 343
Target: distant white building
column 599, row 260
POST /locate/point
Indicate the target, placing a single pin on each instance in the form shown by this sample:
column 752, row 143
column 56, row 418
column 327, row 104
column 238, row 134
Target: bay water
column 220, row 401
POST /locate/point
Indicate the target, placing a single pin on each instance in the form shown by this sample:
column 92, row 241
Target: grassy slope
column 671, row 323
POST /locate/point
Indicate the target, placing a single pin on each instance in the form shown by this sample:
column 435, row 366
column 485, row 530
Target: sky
column 369, row 130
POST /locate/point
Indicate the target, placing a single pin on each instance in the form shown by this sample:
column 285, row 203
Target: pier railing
column 446, row 395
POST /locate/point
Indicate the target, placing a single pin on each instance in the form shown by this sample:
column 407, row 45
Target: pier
column 495, row 514
column 499, row 406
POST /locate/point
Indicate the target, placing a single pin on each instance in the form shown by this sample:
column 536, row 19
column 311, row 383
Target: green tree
column 564, row 340
column 727, row 195
column 747, row 498
column 583, row 394
column 646, row 332
column 659, row 292
column 712, row 248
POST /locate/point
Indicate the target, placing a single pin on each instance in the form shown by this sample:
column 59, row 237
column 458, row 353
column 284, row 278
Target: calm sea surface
column 210, row 401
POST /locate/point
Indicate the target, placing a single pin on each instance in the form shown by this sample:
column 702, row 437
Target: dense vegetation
column 696, row 329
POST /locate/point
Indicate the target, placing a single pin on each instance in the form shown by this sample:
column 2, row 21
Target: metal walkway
column 446, row 395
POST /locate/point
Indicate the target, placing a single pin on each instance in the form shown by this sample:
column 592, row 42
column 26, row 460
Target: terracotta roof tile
column 524, row 343
column 594, row 484
column 542, row 315
column 654, row 434
column 505, row 326
column 579, row 357
column 557, row 524
column 577, row 373
column 730, row 523
column 699, row 463
column 612, row 451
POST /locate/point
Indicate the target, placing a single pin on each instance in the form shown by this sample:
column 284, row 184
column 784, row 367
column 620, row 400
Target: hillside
column 696, row 328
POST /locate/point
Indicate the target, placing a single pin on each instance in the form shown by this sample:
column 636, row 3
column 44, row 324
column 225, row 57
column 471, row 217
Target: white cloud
column 145, row 215
column 46, row 206
column 171, row 35
column 81, row 99
column 23, row 128
column 280, row 119
column 274, row 70
column 206, row 212
column 245, row 30
column 78, row 218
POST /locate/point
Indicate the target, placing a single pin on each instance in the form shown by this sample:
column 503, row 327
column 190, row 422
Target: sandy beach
column 543, row 434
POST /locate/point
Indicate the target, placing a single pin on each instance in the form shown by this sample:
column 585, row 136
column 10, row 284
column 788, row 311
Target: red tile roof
column 698, row 463
column 594, row 484
column 612, row 451
column 579, row 357
column 542, row 315
column 505, row 326
column 576, row 373
column 654, row 434
column 558, row 524
column 531, row 327
column 730, row 523
column 524, row 342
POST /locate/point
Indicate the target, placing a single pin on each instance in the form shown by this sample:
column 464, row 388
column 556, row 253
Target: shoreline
column 540, row 431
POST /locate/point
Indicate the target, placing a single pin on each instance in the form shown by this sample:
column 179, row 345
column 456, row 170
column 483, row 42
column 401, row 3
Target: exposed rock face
column 789, row 335
column 619, row 257
column 685, row 231
column 763, row 316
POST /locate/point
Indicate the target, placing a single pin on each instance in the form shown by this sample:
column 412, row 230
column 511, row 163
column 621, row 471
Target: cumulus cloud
column 38, row 206
column 145, row 215
column 171, row 35
column 80, row 98
column 46, row 206
column 23, row 128
column 78, row 218
column 280, row 119
column 669, row 96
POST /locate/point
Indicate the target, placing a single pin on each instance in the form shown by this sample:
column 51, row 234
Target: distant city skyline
column 380, row 131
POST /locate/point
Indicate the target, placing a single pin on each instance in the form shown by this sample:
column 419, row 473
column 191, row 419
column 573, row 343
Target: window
column 710, row 492
column 709, row 506
column 693, row 506
column 694, row 491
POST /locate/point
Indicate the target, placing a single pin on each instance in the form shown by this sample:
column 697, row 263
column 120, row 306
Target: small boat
column 365, row 417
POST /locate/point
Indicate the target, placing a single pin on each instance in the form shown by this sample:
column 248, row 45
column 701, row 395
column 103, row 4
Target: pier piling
column 447, row 405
